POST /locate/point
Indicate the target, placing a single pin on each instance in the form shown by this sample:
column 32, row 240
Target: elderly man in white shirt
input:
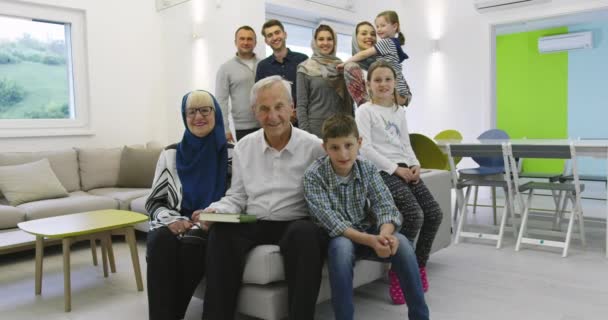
column 267, row 172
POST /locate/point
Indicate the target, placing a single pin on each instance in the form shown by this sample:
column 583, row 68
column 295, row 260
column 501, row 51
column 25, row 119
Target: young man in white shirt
column 267, row 172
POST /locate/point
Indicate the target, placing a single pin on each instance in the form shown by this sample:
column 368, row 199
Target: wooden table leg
column 39, row 256
column 111, row 253
column 67, row 292
column 104, row 255
column 130, row 236
column 94, row 250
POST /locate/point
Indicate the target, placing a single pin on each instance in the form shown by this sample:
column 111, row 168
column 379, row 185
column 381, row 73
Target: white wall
column 192, row 63
column 452, row 89
column 141, row 62
column 125, row 76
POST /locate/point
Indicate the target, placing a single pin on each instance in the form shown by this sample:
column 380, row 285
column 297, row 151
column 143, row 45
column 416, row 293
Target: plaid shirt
column 338, row 206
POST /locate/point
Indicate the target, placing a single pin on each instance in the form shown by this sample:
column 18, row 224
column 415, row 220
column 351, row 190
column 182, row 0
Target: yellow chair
column 428, row 153
column 452, row 136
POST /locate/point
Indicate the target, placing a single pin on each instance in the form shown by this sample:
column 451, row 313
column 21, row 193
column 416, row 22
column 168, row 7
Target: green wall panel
column 532, row 92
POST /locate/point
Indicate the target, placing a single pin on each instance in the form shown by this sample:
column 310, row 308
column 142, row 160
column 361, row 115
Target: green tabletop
column 84, row 223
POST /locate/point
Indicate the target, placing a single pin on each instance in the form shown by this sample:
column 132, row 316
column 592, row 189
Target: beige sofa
column 90, row 177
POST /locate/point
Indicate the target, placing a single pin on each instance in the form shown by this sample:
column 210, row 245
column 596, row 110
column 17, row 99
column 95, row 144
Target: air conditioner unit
column 491, row 5
column 564, row 42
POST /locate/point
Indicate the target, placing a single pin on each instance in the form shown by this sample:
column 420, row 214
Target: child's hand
column 340, row 67
column 404, row 173
column 381, row 246
column 403, row 101
column 393, row 243
column 415, row 171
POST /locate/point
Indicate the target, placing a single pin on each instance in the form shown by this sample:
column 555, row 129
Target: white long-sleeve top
column 386, row 139
column 269, row 183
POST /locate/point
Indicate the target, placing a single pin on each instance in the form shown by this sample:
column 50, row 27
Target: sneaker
column 424, row 279
column 395, row 289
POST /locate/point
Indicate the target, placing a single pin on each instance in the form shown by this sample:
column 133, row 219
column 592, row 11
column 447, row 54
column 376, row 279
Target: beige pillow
column 30, row 182
column 64, row 163
column 99, row 167
column 137, row 167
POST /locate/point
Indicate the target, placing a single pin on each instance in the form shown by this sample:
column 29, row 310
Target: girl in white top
column 386, row 143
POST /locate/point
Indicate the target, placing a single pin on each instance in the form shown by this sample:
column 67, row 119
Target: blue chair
column 489, row 167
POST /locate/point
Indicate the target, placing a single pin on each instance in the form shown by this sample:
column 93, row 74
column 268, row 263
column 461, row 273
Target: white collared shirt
column 268, row 183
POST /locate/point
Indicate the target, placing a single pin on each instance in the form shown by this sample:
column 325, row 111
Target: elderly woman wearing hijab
column 321, row 91
column 189, row 176
column 363, row 38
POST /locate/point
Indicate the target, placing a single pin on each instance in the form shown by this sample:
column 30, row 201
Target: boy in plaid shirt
column 337, row 188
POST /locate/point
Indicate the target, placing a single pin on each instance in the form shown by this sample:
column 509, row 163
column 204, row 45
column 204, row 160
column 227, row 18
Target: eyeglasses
column 204, row 111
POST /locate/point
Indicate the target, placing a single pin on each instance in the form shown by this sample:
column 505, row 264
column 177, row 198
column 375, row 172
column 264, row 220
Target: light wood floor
column 469, row 281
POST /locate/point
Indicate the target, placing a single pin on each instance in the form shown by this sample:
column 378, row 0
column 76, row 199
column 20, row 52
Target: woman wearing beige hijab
column 321, row 91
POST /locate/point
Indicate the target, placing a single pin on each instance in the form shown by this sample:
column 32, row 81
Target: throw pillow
column 30, row 182
column 137, row 167
column 98, row 167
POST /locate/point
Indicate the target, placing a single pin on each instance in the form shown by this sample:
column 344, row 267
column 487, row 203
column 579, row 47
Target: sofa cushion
column 63, row 162
column 123, row 196
column 137, row 167
column 10, row 216
column 99, row 167
column 76, row 202
column 264, row 265
column 30, row 182
column 139, row 205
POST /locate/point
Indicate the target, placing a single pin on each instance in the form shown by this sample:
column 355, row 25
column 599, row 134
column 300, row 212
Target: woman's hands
column 409, row 175
column 180, row 226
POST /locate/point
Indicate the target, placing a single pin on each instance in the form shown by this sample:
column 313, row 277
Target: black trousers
column 175, row 268
column 303, row 246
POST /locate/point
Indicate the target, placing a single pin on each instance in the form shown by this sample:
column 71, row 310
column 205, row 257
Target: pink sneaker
column 423, row 278
column 395, row 289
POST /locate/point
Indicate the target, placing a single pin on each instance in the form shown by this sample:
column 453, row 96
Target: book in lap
column 227, row 217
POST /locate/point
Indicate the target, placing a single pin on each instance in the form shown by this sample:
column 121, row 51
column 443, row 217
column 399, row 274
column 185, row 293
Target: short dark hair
column 248, row 28
column 339, row 126
column 271, row 23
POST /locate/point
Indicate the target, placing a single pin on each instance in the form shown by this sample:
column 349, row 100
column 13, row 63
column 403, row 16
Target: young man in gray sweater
column 233, row 83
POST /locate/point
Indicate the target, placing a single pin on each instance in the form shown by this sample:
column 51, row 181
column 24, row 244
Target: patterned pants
column 421, row 213
column 355, row 83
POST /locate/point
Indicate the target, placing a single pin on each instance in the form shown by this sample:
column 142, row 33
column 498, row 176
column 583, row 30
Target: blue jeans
column 342, row 253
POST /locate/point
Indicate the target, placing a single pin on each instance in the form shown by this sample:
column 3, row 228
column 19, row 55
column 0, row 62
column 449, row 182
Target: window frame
column 78, row 82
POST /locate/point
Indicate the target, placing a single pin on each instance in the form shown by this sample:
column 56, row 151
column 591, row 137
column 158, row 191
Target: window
column 299, row 38
column 43, row 80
